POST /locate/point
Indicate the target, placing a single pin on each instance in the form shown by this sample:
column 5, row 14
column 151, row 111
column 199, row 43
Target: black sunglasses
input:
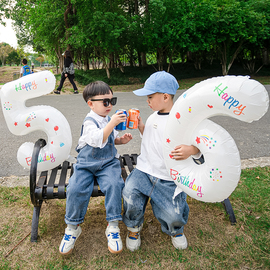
column 107, row 101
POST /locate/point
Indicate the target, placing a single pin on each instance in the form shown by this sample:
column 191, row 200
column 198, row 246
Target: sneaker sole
column 67, row 253
column 115, row 252
column 183, row 247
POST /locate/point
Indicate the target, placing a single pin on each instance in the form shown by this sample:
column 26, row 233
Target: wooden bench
column 52, row 184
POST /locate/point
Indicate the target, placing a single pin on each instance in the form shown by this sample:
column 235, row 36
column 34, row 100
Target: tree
column 4, row 8
column 13, row 58
column 5, row 50
column 235, row 23
column 40, row 59
column 109, row 30
column 99, row 31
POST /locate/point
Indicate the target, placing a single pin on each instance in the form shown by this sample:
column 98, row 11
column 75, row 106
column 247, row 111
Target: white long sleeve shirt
column 93, row 135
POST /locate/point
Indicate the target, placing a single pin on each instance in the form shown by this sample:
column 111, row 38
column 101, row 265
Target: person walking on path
column 68, row 72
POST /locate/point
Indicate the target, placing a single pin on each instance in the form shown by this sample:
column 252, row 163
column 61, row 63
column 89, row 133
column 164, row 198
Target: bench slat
column 128, row 162
column 51, row 184
column 62, row 181
column 134, row 156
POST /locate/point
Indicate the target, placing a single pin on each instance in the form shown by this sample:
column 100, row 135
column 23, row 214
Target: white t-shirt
column 151, row 159
column 93, row 135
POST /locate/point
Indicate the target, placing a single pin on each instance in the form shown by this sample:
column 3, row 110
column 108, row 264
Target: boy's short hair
column 96, row 88
column 159, row 82
column 24, row 61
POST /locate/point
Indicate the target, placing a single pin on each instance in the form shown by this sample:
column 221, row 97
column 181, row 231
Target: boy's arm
column 183, row 151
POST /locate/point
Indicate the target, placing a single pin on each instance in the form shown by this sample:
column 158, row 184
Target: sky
column 7, row 34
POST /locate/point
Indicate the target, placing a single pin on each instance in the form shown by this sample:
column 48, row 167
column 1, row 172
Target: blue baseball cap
column 158, row 82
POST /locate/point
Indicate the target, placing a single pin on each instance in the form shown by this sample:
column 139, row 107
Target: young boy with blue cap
column 150, row 178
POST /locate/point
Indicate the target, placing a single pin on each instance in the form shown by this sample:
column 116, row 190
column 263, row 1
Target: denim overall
column 102, row 164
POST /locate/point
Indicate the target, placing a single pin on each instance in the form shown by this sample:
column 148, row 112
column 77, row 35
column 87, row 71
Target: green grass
column 213, row 242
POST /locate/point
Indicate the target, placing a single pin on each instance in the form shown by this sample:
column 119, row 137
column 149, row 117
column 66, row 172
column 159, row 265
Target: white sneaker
column 114, row 240
column 69, row 239
column 133, row 240
column 179, row 241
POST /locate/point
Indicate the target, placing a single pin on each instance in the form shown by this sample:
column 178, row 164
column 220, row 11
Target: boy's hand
column 183, row 151
column 118, row 118
column 125, row 138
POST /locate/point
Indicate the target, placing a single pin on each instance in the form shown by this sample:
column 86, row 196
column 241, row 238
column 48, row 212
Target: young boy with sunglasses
column 97, row 158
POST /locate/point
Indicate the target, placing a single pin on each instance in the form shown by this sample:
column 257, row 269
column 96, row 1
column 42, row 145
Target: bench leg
column 35, row 220
column 229, row 210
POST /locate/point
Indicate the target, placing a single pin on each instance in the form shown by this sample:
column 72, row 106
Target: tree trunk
column 164, row 56
column 139, row 58
column 131, row 61
column 143, row 56
column 120, row 63
column 86, row 65
column 67, row 11
column 146, row 6
column 107, row 71
column 111, row 63
column 224, row 56
column 170, row 58
column 265, row 56
column 160, row 59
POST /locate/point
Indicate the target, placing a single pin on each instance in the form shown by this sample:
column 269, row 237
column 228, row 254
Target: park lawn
column 7, row 75
column 213, row 242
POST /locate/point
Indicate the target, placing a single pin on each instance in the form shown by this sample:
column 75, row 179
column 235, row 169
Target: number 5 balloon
column 22, row 120
column 235, row 96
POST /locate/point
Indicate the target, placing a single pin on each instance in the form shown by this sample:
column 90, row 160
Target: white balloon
column 22, row 120
column 235, row 96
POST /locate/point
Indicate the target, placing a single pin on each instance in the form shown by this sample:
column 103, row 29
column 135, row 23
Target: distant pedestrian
column 33, row 65
column 68, row 72
column 25, row 70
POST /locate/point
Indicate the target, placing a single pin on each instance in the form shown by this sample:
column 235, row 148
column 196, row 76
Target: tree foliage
column 117, row 31
column 5, row 50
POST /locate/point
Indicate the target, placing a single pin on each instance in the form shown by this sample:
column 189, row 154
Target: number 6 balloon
column 22, row 120
column 235, row 96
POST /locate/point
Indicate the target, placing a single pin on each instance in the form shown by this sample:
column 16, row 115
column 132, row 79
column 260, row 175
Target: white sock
column 113, row 223
column 74, row 227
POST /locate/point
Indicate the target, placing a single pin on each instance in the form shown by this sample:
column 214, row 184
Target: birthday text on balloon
column 232, row 102
column 26, row 86
column 49, row 157
column 184, row 180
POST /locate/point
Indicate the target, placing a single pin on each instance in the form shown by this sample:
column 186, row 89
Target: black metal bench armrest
column 33, row 170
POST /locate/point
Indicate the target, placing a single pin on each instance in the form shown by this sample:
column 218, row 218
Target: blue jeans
column 102, row 164
column 171, row 213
